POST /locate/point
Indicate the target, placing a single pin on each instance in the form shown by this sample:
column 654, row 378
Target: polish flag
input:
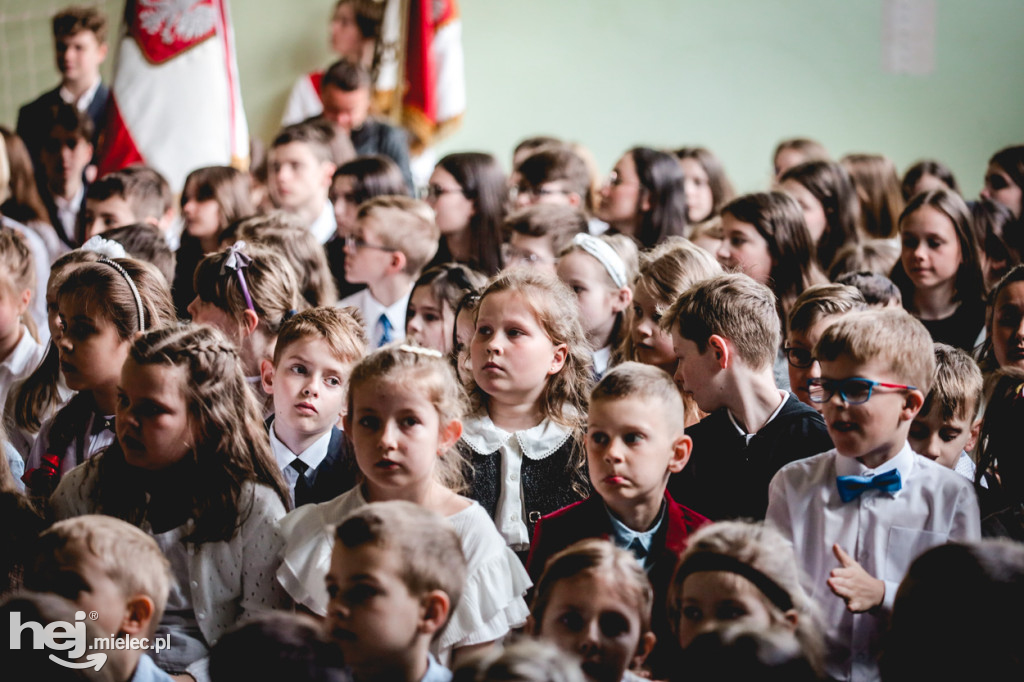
column 434, row 92
column 175, row 102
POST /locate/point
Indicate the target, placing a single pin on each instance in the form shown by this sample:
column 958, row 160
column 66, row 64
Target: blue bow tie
column 851, row 487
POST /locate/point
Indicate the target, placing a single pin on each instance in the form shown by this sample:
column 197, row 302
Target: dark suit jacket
column 336, row 474
column 378, row 137
column 32, row 118
column 58, row 226
column 589, row 519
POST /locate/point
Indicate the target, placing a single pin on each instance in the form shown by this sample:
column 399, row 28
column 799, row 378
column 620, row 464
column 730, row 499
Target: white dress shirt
column 311, row 457
column 371, row 310
column 326, row 224
column 535, row 443
column 19, row 363
column 83, row 102
column 884, row 532
column 67, row 212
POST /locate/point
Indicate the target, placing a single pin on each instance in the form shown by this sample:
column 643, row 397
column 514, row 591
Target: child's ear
column 644, row 203
column 681, row 449
column 434, row 609
column 975, row 432
column 912, row 404
column 250, row 320
column 327, row 177
column 138, row 613
column 722, row 350
column 623, row 297
column 643, row 649
column 574, row 199
column 558, row 360
column 791, row 619
column 398, row 262
column 450, row 434
column 267, row 376
column 23, row 300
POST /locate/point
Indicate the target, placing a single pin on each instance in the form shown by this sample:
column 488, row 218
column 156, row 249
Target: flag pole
column 397, row 97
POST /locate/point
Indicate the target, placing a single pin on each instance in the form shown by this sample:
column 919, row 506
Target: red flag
column 175, row 100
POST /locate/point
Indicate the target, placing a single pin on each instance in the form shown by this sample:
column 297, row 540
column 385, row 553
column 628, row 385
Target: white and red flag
column 175, row 102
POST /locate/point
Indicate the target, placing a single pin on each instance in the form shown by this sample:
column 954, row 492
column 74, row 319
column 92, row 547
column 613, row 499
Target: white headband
column 605, row 255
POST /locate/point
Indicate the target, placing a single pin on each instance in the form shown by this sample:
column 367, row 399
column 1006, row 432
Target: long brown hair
column 231, row 443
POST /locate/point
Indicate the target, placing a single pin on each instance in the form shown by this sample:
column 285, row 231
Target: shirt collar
column 22, row 353
column 625, row 537
column 83, row 102
column 436, row 672
column 326, row 225
column 311, row 456
column 904, row 462
column 773, row 415
column 536, row 443
column 395, row 312
column 601, row 358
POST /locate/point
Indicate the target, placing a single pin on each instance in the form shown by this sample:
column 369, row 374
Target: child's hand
column 860, row 590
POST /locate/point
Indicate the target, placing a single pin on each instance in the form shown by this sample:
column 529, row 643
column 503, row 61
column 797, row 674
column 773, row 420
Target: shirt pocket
column 905, row 545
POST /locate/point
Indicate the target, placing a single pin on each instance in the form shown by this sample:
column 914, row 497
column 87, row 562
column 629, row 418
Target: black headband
column 710, row 561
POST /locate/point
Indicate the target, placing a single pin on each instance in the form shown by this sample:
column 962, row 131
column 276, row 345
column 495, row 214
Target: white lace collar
column 536, row 443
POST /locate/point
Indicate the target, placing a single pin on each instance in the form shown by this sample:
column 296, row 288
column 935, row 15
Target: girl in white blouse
column 192, row 467
column 404, row 411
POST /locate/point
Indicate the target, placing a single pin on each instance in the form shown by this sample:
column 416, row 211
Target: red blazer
column 589, row 519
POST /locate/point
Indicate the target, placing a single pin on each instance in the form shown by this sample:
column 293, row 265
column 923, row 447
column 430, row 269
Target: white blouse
column 492, row 601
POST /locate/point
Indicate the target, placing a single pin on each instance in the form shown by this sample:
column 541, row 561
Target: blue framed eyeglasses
column 853, row 391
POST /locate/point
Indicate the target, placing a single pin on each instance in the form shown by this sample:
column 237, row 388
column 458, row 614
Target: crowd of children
column 533, row 426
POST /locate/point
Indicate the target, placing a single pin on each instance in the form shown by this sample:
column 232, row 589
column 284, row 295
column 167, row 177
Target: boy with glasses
column 814, row 310
column 859, row 514
column 393, row 239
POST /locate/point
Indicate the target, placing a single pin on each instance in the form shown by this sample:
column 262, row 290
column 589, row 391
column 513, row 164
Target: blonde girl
column 594, row 601
column 41, row 393
column 192, row 467
column 939, row 271
column 246, row 291
column 665, row 273
column 531, row 376
column 430, row 320
column 600, row 271
column 20, row 350
column 734, row 571
column 404, row 415
column 102, row 307
column 877, row 183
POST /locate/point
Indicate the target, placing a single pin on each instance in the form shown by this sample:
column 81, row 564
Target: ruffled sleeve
column 492, row 602
column 309, row 539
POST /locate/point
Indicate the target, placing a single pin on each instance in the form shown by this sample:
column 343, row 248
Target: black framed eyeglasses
column 358, row 243
column 800, row 358
column 853, row 391
column 435, row 191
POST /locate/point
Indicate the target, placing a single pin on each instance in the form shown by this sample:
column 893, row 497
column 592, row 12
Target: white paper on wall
column 908, row 37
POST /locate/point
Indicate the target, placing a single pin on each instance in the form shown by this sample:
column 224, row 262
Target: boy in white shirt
column 859, row 514
column 394, row 237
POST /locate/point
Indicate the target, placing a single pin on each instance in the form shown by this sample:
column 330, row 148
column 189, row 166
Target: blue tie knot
column 851, row 487
column 386, row 335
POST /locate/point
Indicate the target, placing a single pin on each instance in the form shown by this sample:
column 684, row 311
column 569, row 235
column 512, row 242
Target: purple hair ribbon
column 238, row 261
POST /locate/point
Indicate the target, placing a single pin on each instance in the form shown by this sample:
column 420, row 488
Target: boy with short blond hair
column 860, row 513
column 813, row 310
column 635, row 441
column 307, row 378
column 725, row 334
column 947, row 426
column 393, row 239
column 300, row 166
column 537, row 234
column 113, row 569
column 417, row 556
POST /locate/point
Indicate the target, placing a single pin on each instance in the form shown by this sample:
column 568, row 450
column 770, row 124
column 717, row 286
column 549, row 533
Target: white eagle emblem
column 177, row 20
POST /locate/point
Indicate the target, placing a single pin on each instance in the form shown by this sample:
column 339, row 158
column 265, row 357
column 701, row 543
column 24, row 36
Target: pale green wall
column 733, row 75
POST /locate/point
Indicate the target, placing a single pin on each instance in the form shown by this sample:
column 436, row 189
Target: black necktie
column 303, row 490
